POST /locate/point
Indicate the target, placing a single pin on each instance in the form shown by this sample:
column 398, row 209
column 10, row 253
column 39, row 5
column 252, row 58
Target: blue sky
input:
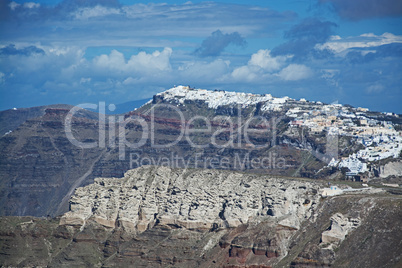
column 81, row 51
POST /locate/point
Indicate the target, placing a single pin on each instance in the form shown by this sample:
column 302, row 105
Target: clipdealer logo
column 239, row 132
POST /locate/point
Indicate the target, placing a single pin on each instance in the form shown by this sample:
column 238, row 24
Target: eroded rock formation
column 340, row 227
column 163, row 217
column 193, row 199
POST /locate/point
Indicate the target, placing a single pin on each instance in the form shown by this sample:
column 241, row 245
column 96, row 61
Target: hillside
column 48, row 156
column 163, row 217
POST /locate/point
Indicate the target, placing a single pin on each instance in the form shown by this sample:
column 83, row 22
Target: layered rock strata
column 193, row 199
column 162, row 217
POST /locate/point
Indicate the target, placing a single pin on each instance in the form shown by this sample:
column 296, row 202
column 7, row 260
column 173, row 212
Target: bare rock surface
column 340, row 227
column 193, row 199
column 163, row 217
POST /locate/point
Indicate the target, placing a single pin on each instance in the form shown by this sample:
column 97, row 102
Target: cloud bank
column 88, row 51
column 304, row 37
column 110, row 23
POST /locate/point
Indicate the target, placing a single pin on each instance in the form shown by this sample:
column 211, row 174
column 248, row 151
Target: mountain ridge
column 40, row 165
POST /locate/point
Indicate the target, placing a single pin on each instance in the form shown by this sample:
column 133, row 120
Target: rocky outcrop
column 352, row 231
column 40, row 167
column 374, row 241
column 340, row 227
column 191, row 199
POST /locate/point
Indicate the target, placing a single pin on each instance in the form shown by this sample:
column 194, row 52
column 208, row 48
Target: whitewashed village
column 379, row 138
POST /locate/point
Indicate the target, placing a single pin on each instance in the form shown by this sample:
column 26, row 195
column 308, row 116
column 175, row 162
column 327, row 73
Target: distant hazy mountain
column 12, row 118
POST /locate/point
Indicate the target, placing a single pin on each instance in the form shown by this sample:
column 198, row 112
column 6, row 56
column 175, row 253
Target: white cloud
column 264, row 60
column 244, row 73
column 260, row 66
column 85, row 80
column 130, row 81
column 13, row 5
column 329, row 73
column 2, row 78
column 140, row 63
column 376, row 88
column 115, row 60
column 97, row 11
column 114, row 71
column 54, row 64
column 155, row 61
column 339, row 45
column 295, row 72
column 70, row 67
column 331, row 76
column 31, row 5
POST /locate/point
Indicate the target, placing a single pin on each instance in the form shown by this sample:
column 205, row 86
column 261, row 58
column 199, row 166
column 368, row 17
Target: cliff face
column 13, row 118
column 40, row 167
column 163, row 217
column 192, row 199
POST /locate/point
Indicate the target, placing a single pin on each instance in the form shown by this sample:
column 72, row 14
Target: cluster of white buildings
column 217, row 98
column 379, row 147
column 380, row 139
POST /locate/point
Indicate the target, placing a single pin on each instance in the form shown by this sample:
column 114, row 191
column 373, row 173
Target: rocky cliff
column 40, row 167
column 192, row 199
column 163, row 217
